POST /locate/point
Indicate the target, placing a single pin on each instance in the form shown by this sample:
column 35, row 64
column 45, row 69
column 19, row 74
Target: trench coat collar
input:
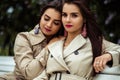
column 76, row 43
column 36, row 38
column 56, row 49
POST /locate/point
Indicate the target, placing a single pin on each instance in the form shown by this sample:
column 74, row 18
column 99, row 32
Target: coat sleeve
column 28, row 65
column 42, row 76
column 114, row 50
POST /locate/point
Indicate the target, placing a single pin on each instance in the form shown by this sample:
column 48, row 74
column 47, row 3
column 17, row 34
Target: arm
column 42, row 76
column 113, row 50
column 28, row 65
column 111, row 54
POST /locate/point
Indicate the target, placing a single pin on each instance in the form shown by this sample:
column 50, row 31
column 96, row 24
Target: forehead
column 52, row 13
column 70, row 8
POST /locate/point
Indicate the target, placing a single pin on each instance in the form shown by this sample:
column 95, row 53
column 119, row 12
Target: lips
column 48, row 30
column 68, row 26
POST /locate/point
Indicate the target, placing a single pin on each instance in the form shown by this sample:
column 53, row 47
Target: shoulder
column 109, row 44
column 56, row 39
column 21, row 38
column 29, row 33
column 23, row 35
column 30, row 37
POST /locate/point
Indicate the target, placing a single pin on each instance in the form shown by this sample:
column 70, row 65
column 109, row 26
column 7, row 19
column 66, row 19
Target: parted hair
column 57, row 5
column 93, row 31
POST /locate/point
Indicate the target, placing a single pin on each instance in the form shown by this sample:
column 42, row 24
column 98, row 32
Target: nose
column 49, row 24
column 68, row 18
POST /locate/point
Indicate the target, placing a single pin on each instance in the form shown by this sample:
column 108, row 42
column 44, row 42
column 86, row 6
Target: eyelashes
column 46, row 18
column 73, row 15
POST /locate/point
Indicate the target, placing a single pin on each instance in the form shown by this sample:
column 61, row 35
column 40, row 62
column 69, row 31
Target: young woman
column 29, row 44
column 73, row 57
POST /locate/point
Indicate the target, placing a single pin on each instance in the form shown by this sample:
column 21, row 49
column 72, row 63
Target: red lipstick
column 48, row 30
column 68, row 26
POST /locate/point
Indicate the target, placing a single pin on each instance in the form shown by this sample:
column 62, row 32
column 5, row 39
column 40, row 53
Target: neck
column 69, row 38
column 49, row 38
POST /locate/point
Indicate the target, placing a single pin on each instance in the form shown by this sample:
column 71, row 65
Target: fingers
column 98, row 67
column 99, row 64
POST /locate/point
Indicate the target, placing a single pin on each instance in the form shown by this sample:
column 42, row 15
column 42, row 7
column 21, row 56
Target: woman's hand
column 101, row 61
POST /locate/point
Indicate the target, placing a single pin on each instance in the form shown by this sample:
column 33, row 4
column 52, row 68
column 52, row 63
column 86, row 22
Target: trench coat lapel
column 56, row 49
column 76, row 43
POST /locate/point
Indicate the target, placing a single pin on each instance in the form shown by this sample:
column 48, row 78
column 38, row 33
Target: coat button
column 51, row 56
column 67, row 72
column 76, row 52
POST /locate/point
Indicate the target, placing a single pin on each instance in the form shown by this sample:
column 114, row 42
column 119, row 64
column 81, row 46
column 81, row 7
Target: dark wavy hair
column 57, row 5
column 93, row 31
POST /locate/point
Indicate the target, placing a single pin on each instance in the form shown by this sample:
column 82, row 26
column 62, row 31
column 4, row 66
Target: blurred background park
column 22, row 15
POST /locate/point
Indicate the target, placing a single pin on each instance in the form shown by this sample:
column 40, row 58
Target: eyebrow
column 47, row 15
column 72, row 12
column 75, row 12
column 50, row 17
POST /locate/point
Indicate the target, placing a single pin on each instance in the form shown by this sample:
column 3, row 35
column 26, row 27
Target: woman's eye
column 74, row 15
column 57, row 23
column 46, row 19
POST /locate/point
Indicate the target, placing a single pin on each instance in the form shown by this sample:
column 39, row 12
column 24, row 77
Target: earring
column 36, row 30
column 84, row 31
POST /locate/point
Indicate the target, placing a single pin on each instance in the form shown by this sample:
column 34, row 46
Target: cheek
column 56, row 29
column 63, row 20
column 79, row 22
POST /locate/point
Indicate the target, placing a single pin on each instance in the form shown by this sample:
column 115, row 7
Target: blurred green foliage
column 108, row 16
column 22, row 15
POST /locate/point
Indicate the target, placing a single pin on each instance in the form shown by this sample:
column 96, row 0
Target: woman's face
column 50, row 22
column 72, row 18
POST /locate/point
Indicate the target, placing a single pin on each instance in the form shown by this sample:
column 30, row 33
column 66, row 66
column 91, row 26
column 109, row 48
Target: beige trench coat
column 76, row 59
column 27, row 46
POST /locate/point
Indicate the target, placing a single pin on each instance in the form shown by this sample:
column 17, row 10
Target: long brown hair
column 93, row 31
column 57, row 5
